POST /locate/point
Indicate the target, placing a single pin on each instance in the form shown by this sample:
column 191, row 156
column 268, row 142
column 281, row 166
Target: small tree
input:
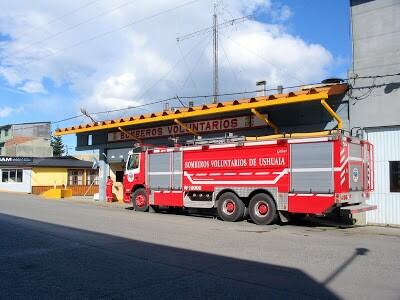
column 57, row 145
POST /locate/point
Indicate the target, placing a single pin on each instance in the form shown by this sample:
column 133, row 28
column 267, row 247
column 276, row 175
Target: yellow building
column 37, row 175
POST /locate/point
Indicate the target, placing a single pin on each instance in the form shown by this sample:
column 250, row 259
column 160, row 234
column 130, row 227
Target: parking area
column 81, row 249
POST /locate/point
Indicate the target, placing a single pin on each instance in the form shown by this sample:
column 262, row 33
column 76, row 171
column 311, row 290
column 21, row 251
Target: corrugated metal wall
column 387, row 148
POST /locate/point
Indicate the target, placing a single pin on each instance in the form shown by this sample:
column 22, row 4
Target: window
column 394, row 167
column 75, row 177
column 90, row 140
column 11, row 175
column 92, row 177
column 6, row 132
column 133, row 162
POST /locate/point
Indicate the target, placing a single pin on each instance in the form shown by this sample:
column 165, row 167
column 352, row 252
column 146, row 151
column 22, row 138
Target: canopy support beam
column 265, row 120
column 332, row 113
column 129, row 135
column 186, row 127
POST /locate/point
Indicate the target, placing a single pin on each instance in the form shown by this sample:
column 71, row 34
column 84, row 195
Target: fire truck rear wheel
column 262, row 209
column 230, row 208
column 139, row 200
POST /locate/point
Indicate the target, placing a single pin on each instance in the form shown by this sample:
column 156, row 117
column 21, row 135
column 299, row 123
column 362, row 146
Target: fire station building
column 305, row 110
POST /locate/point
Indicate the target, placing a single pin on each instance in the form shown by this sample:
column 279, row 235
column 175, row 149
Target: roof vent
column 332, row 80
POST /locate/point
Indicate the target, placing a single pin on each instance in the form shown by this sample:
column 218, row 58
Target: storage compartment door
column 159, row 171
column 312, row 168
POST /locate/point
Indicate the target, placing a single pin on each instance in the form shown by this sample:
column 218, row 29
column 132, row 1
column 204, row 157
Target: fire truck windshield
column 133, row 162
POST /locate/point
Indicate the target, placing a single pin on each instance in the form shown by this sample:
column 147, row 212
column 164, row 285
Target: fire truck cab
column 268, row 179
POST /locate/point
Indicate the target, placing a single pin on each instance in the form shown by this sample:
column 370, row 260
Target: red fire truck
column 271, row 179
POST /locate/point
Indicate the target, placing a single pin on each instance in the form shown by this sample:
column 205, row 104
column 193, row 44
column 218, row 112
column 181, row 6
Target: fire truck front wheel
column 230, row 208
column 262, row 209
column 139, row 200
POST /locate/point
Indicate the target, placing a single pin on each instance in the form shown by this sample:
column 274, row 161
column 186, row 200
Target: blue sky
column 117, row 70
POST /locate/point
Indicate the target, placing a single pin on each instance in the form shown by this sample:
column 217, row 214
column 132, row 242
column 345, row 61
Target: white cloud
column 115, row 92
column 281, row 14
column 33, row 87
column 7, row 111
column 143, row 62
column 277, row 58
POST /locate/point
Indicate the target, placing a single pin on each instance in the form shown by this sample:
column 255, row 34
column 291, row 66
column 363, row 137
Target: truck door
column 133, row 168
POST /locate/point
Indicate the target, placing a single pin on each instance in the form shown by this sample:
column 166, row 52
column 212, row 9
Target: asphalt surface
column 52, row 249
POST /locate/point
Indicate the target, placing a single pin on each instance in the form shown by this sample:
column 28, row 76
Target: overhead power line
column 231, row 94
column 70, row 28
column 179, row 98
column 56, row 19
column 356, row 76
column 191, row 70
column 108, row 32
column 193, row 97
column 173, row 68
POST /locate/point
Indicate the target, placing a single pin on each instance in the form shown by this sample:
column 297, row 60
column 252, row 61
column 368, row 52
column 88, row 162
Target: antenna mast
column 215, row 54
column 215, row 28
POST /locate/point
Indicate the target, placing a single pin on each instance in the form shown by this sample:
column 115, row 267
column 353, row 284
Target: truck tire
column 262, row 209
column 230, row 208
column 139, row 200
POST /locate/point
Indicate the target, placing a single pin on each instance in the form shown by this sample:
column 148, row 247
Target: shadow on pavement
column 43, row 260
column 309, row 221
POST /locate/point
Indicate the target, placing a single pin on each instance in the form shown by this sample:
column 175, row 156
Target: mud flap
column 282, row 217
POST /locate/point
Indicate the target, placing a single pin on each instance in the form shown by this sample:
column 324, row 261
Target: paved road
column 61, row 249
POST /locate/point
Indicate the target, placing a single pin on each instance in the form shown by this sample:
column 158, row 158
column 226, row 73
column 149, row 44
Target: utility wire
column 208, row 96
column 373, row 76
column 240, row 93
column 56, row 19
column 191, row 97
column 173, row 68
column 187, row 67
column 230, row 64
column 95, row 37
column 104, row 13
column 195, row 65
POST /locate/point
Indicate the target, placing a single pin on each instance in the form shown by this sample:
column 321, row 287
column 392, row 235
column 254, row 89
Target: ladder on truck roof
column 217, row 140
column 231, row 139
column 236, row 139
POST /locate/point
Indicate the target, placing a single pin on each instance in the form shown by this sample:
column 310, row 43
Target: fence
column 77, row 190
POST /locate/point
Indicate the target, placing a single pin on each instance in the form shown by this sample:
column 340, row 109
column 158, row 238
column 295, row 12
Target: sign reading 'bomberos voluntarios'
column 205, row 126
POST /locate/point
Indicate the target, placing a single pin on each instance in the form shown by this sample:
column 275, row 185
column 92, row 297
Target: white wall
column 22, row 187
column 386, row 143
